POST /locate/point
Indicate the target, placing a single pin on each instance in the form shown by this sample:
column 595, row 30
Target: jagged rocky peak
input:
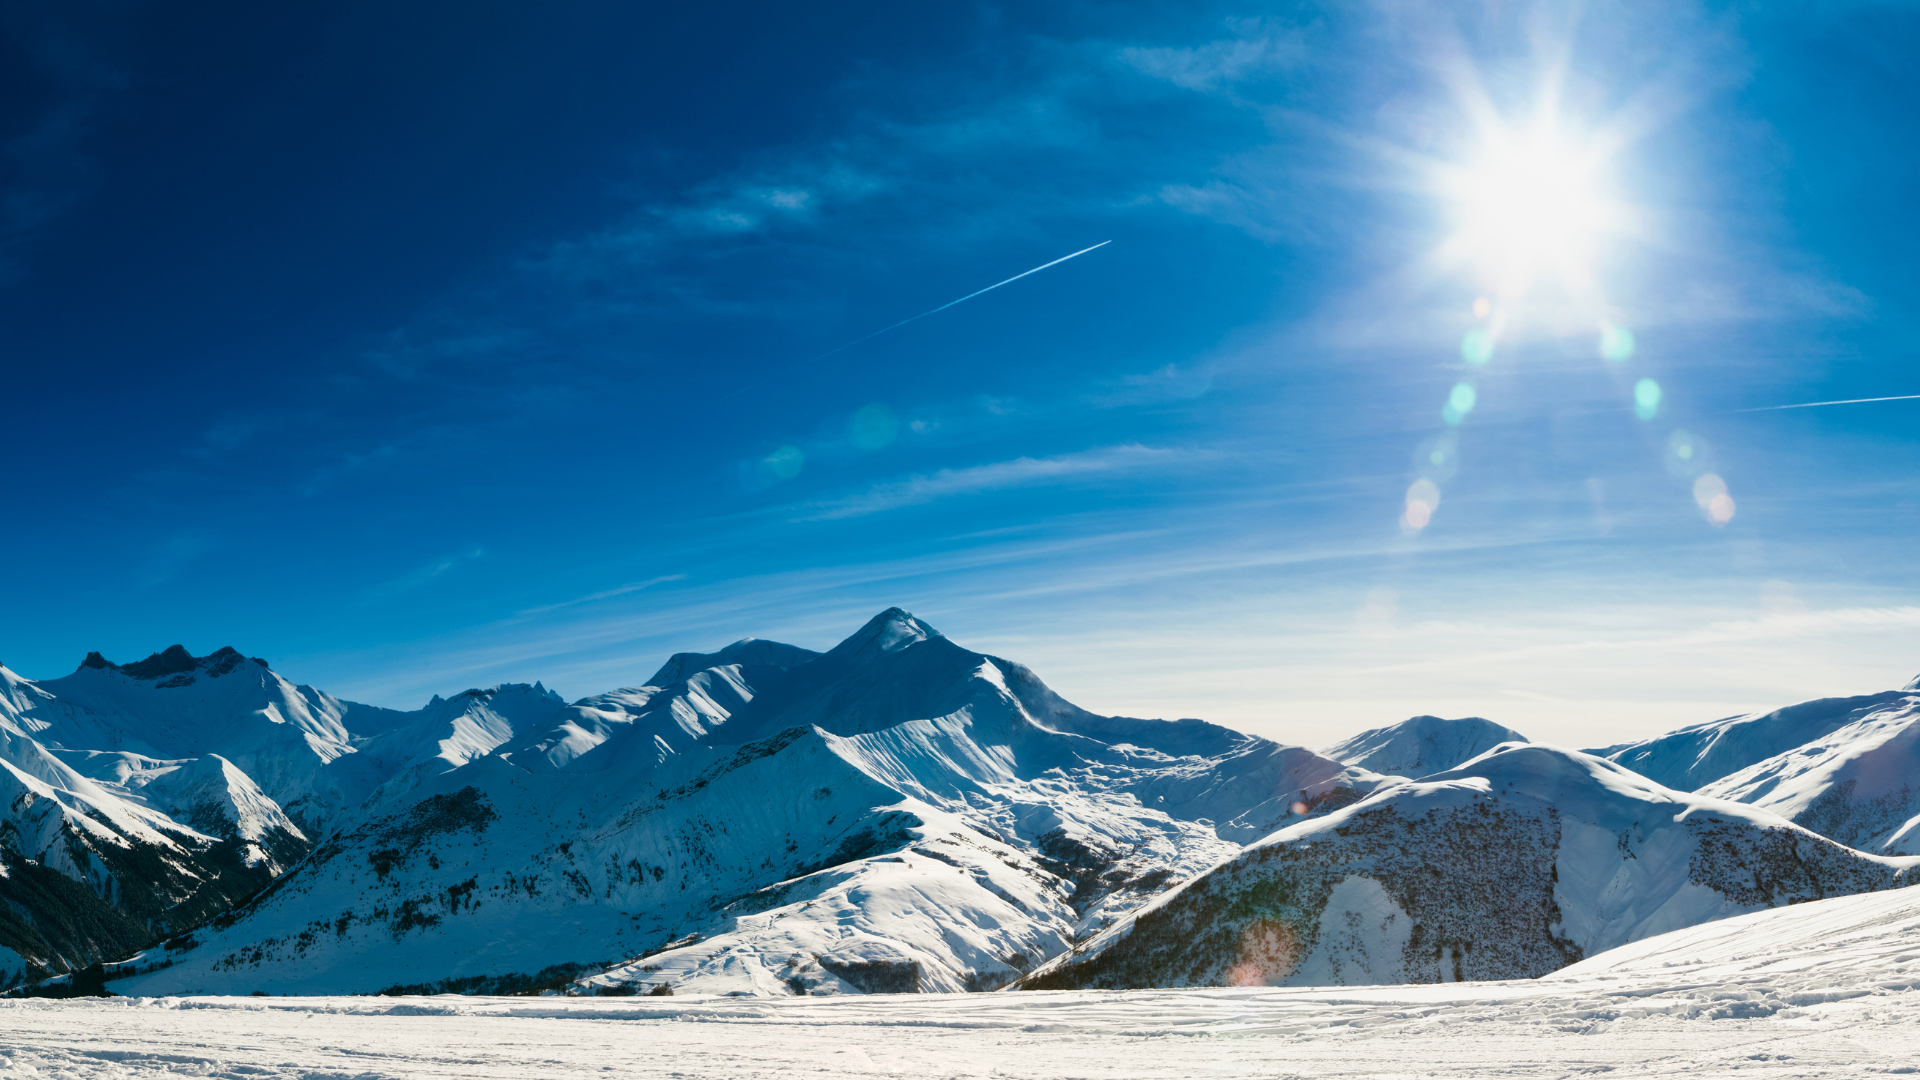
column 174, row 664
column 516, row 703
column 502, row 694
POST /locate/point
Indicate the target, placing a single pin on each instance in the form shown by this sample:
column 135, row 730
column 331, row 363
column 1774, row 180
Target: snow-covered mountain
column 1519, row 862
column 51, row 923
column 1422, row 745
column 1693, row 757
column 142, row 870
column 1847, row 768
column 1858, row 784
column 171, row 789
column 896, row 813
column 172, row 706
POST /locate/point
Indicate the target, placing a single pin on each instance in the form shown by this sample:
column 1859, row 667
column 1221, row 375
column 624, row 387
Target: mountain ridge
column 896, row 813
column 1515, row 864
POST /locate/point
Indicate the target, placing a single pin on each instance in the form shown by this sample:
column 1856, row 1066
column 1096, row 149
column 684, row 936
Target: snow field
column 1824, row 989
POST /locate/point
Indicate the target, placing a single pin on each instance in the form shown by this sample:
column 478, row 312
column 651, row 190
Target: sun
column 1531, row 208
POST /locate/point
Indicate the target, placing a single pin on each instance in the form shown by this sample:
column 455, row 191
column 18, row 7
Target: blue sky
column 423, row 346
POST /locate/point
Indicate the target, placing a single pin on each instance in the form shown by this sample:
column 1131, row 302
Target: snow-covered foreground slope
column 1422, row 746
column 1837, row 942
column 1829, row 989
column 898, row 813
column 1518, row 863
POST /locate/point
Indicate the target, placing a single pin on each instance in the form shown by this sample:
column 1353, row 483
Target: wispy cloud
column 425, row 575
column 1257, row 49
column 605, row 594
column 1019, row 472
column 1781, row 626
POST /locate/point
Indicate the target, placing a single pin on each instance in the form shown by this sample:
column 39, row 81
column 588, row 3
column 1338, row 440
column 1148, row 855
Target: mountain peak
column 748, row 650
column 507, row 691
column 1422, row 745
column 890, row 631
column 173, row 660
column 1914, row 685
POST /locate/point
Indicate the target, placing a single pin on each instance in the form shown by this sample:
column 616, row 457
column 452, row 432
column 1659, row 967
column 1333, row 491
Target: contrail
column 932, row 311
column 962, row 300
column 1817, row 404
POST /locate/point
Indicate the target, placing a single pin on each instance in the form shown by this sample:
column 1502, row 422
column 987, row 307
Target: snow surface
column 1818, row 990
column 1423, row 745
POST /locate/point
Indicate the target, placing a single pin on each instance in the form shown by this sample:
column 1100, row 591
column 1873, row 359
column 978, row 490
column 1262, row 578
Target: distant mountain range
column 896, row 814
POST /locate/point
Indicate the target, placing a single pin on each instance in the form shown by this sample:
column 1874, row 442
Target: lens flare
column 1686, row 454
column 1423, row 498
column 1460, row 402
column 1616, row 342
column 1438, row 458
column 1269, row 950
column 1646, row 399
column 785, row 462
column 873, row 427
column 1477, row 347
column 1710, row 494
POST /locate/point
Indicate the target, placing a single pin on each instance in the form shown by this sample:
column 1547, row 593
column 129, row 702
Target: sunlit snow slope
column 166, row 791
column 1859, row 784
column 898, row 813
column 1827, row 990
column 1518, row 863
column 1692, row 757
column 1422, row 745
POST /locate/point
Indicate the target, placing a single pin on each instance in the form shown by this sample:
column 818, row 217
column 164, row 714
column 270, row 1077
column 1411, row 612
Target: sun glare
column 1529, row 207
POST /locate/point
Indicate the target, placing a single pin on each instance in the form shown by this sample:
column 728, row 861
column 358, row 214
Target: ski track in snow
column 1826, row 989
